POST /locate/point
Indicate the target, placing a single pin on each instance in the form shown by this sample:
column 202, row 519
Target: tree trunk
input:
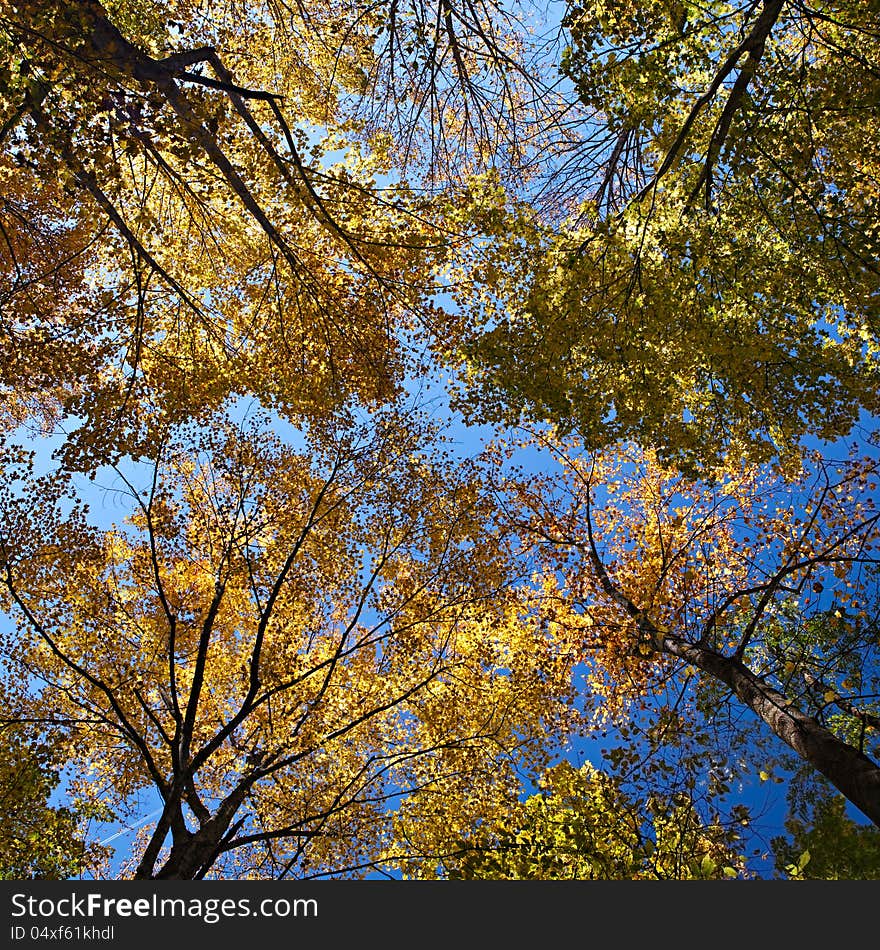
column 855, row 775
column 190, row 857
column 192, row 852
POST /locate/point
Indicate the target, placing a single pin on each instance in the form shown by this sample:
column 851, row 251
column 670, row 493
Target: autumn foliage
column 263, row 267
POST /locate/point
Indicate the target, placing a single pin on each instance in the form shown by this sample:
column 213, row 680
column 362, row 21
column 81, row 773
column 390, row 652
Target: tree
column 824, row 843
column 713, row 288
column 37, row 839
column 280, row 644
column 452, row 86
column 220, row 216
column 200, row 255
column 274, row 640
column 581, row 826
column 668, row 579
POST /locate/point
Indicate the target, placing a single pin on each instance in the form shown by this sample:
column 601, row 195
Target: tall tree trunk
column 850, row 771
column 190, row 855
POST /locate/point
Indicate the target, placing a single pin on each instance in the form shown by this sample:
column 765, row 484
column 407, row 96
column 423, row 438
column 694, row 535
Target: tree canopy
column 581, row 826
column 39, row 839
column 257, row 573
column 713, row 286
